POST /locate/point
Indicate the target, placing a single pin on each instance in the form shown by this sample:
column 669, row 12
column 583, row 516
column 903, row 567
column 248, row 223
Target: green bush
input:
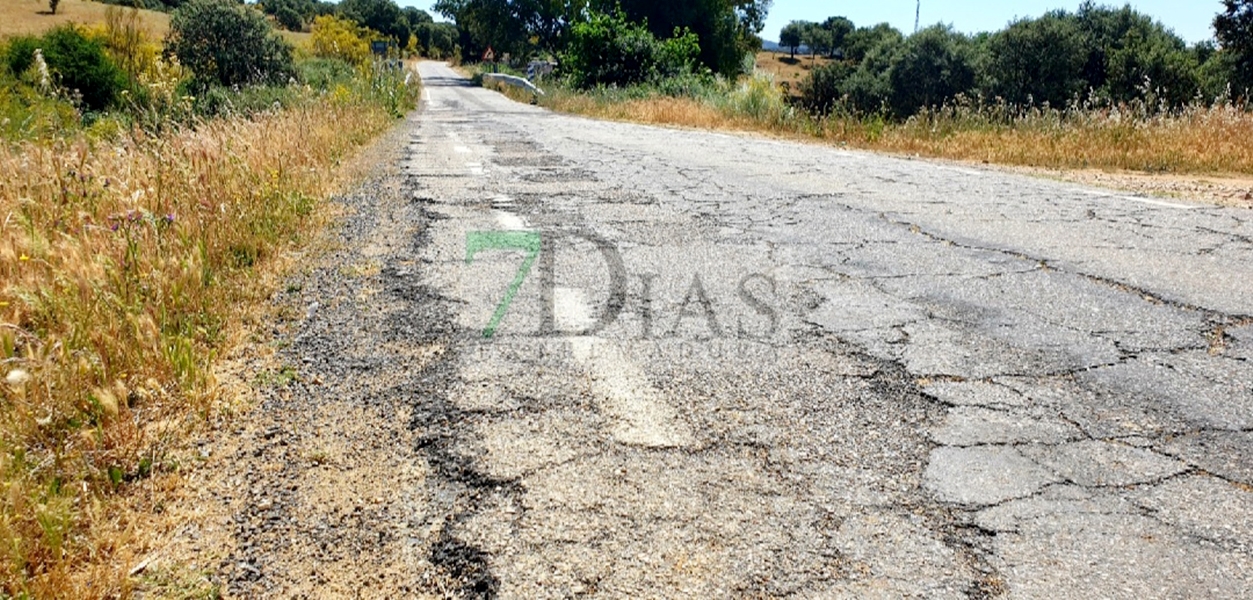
column 20, row 54
column 1034, row 61
column 823, row 89
column 76, row 63
column 932, row 67
column 289, row 18
column 228, row 44
column 860, row 86
column 606, row 50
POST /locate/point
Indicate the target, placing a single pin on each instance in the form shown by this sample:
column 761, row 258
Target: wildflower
column 169, row 218
column 17, row 377
column 41, row 66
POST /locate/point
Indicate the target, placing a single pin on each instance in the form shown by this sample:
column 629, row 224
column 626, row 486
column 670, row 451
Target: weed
column 125, row 260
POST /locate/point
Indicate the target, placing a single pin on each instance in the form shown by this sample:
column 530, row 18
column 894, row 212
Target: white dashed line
column 641, row 416
column 1151, row 201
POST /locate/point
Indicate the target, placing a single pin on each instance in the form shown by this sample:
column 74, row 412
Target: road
column 641, row 362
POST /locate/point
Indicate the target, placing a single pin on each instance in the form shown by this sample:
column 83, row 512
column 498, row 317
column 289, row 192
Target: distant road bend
column 683, row 364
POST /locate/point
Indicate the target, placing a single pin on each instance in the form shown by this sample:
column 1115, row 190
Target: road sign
column 489, row 55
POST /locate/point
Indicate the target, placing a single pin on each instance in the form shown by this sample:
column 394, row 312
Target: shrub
column 289, row 18
column 224, row 43
column 340, row 39
column 1038, row 60
column 823, row 88
column 21, row 54
column 863, row 89
column 76, row 63
column 607, row 50
column 932, row 67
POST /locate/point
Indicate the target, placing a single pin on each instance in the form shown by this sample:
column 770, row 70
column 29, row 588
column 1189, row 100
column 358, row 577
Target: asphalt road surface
column 663, row 363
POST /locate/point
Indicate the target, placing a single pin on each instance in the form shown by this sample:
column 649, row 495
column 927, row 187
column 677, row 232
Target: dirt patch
column 308, row 481
column 1223, row 190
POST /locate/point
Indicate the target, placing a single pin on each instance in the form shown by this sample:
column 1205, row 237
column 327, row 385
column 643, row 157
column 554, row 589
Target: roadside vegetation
column 1099, row 87
column 147, row 187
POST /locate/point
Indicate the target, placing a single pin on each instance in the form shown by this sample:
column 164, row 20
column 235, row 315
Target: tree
column 416, row 16
column 291, row 14
column 859, row 43
column 1037, row 60
column 1128, row 50
column 839, row 27
column 1151, row 62
column 487, row 23
column 861, row 85
column 438, row 40
column 1234, row 29
column 727, row 29
column 289, row 19
column 790, row 36
column 383, row 16
column 224, row 43
column 931, row 68
column 817, row 38
column 609, row 50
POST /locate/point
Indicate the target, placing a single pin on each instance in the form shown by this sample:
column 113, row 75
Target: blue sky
column 1190, row 19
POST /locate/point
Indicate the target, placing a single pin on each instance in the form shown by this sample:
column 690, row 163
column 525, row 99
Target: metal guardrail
column 513, row 81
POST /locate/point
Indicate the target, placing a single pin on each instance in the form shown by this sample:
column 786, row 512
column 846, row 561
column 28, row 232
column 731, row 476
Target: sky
column 1190, row 19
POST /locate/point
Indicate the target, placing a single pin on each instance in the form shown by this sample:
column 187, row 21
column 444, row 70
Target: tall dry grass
column 1201, row 138
column 122, row 266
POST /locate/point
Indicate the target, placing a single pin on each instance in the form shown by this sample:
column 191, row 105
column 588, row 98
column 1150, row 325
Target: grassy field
column 786, row 70
column 23, row 17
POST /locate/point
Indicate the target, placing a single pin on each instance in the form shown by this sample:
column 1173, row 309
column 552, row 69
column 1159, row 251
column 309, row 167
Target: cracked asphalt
column 740, row 367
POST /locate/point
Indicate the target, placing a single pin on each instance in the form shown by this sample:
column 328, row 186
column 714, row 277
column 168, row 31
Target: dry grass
column 1197, row 140
column 1204, row 140
column 23, row 17
column 299, row 39
column 123, row 266
column 31, row 17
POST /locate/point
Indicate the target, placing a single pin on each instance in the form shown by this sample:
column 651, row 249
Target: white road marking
column 510, row 221
column 960, row 170
column 641, row 416
column 475, row 168
column 1151, row 201
column 1159, row 202
column 461, row 150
